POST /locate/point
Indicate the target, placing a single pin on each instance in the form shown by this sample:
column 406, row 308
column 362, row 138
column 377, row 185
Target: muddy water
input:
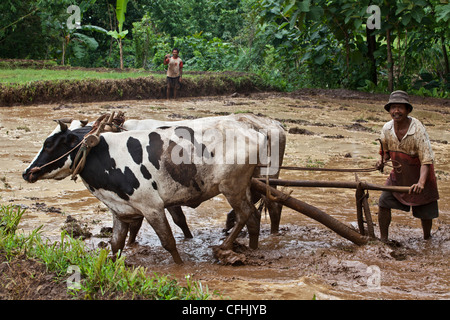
column 305, row 259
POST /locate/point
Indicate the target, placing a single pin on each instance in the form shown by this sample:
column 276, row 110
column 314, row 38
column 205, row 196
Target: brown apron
column 409, row 175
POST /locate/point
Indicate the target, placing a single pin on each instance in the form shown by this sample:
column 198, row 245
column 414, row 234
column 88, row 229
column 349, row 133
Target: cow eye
column 47, row 144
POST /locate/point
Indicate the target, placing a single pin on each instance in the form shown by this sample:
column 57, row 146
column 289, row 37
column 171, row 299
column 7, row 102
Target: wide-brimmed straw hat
column 398, row 96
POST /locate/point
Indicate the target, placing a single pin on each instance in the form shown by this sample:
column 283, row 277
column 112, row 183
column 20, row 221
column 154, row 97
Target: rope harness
column 390, row 163
column 106, row 123
column 394, row 164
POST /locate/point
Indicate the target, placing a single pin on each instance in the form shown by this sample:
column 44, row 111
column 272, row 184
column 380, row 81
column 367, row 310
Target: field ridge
column 150, row 86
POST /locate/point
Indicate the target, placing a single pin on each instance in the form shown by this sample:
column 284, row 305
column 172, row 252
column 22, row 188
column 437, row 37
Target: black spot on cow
column 154, row 185
column 186, row 132
column 100, row 172
column 183, row 173
column 164, row 127
column 145, row 173
column 135, row 149
column 155, row 149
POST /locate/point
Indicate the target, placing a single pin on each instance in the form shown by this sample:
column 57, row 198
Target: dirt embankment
column 194, row 84
column 93, row 90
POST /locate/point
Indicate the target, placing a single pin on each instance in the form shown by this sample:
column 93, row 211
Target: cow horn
column 62, row 125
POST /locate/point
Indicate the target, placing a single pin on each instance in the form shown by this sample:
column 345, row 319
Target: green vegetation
column 101, row 276
column 289, row 43
column 23, row 76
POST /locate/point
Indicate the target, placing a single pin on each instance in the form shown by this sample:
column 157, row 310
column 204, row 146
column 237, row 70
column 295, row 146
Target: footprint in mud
column 42, row 206
column 399, row 255
column 75, row 229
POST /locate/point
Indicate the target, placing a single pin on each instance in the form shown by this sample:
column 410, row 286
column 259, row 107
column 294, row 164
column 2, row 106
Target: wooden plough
column 362, row 205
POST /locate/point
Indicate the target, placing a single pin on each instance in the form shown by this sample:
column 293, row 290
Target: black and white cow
column 139, row 173
column 253, row 122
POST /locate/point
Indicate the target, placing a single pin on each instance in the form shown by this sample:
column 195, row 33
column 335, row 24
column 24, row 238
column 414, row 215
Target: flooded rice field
column 305, row 259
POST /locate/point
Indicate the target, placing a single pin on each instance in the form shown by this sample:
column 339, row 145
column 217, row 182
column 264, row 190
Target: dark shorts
column 426, row 211
column 173, row 82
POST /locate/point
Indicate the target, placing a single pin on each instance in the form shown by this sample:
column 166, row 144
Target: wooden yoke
column 89, row 141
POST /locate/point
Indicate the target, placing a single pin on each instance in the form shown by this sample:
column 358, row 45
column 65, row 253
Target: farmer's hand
column 379, row 165
column 180, row 79
column 419, row 186
column 416, row 188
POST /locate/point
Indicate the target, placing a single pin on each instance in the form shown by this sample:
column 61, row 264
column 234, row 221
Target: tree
column 361, row 53
column 121, row 9
column 20, row 30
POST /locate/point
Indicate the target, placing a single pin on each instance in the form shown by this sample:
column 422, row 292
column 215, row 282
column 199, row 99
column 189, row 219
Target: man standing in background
column 174, row 72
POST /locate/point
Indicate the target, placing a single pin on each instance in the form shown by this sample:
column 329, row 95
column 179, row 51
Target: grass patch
column 310, row 163
column 23, row 76
column 100, row 276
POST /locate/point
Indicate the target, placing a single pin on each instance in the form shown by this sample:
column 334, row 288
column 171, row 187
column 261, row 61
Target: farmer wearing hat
column 405, row 141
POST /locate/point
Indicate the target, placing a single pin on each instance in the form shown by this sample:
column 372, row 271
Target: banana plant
column 121, row 9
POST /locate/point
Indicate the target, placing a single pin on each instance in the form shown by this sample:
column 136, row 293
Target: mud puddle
column 305, row 259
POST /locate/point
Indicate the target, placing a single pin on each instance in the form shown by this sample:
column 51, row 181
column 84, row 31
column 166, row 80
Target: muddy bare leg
column 134, row 229
column 159, row 223
column 253, row 226
column 120, row 230
column 384, row 220
column 228, row 242
column 231, row 216
column 175, row 91
column 180, row 220
column 244, row 209
column 274, row 209
column 426, row 227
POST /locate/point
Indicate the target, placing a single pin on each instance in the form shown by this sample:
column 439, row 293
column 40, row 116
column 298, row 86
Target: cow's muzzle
column 30, row 175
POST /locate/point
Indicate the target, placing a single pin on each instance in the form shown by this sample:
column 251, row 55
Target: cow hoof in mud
column 229, row 257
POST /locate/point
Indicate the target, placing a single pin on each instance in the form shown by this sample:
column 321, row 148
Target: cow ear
column 72, row 140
